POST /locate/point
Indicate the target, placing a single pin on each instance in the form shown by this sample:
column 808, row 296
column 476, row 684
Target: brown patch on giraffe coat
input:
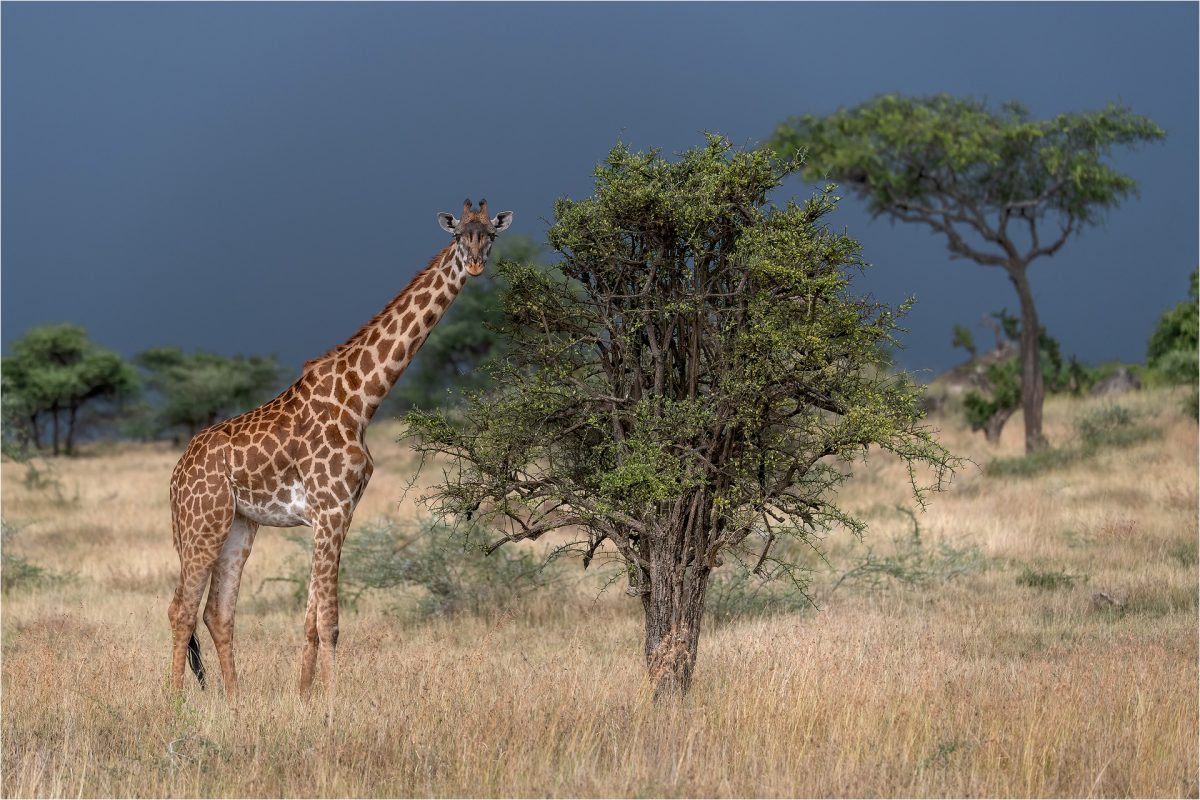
column 376, row 387
column 255, row 458
column 429, row 319
column 421, row 300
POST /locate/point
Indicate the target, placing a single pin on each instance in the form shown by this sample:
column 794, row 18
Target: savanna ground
column 1038, row 639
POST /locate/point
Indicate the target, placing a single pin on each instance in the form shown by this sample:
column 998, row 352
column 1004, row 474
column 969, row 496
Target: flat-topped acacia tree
column 1004, row 189
column 694, row 379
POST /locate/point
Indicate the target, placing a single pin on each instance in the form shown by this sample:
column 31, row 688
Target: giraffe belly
column 285, row 509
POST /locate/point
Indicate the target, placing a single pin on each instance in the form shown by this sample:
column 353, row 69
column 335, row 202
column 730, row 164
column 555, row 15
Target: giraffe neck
column 368, row 364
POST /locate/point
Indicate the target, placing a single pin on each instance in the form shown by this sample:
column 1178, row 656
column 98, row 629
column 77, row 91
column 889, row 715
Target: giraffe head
column 474, row 233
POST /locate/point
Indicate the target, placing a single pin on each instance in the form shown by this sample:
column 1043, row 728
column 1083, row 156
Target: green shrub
column 1048, row 579
column 739, row 594
column 1111, row 426
column 1178, row 367
column 17, row 572
column 1185, row 552
column 913, row 562
column 1037, row 462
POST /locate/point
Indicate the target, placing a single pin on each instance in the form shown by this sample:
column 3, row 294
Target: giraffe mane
column 362, row 333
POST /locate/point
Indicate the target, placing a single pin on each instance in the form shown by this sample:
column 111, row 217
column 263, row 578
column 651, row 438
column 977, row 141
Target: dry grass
column 976, row 686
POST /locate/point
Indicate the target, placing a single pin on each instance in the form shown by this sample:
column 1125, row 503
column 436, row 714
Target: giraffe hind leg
column 223, row 594
column 200, row 532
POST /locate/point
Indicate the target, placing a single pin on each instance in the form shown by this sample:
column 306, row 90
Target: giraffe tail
column 194, row 659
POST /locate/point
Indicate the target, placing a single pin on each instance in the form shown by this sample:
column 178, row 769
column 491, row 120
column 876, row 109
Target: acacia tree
column 1002, row 188
column 198, row 389
column 695, row 378
column 54, row 372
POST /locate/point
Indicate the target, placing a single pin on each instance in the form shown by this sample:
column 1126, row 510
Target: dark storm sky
column 262, row 178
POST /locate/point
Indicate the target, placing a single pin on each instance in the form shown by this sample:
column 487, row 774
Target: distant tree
column 199, row 389
column 53, row 373
column 990, row 182
column 698, row 377
column 1172, row 349
column 451, row 358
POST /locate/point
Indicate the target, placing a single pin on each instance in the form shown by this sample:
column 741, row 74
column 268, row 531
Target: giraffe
column 301, row 459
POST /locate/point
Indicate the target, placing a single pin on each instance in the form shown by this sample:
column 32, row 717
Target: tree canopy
column 198, row 389
column 1172, row 349
column 697, row 378
column 53, row 373
column 1003, row 188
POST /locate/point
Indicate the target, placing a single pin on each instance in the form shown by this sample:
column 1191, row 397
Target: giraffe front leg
column 321, row 617
column 308, row 658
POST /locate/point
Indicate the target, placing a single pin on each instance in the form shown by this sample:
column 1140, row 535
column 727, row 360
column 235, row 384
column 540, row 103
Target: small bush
column 740, row 594
column 1178, row 367
column 912, row 562
column 1186, row 552
column 1048, row 580
column 1039, row 461
column 17, row 572
column 1111, row 426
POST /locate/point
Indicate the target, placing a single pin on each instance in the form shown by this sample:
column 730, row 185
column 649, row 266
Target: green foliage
column 199, row 389
column 451, row 360
column 738, row 594
column 1172, row 350
column 1108, row 425
column 900, row 152
column 964, row 339
column 1048, row 580
column 1186, row 552
column 450, row 571
column 1038, row 462
column 698, row 356
column 54, row 372
column 1004, row 396
column 17, row 572
column 912, row 562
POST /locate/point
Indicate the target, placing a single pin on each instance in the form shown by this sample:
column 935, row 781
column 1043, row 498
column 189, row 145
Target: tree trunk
column 54, row 428
column 1033, row 392
column 35, row 430
column 995, row 424
column 70, row 442
column 673, row 599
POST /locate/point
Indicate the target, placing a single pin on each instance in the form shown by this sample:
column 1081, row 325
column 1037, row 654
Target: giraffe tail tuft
column 194, row 659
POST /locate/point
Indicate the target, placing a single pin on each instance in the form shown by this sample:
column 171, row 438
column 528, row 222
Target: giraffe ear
column 502, row 220
column 448, row 222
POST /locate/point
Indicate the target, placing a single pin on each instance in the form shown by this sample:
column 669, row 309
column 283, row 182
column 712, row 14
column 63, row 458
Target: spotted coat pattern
column 301, row 459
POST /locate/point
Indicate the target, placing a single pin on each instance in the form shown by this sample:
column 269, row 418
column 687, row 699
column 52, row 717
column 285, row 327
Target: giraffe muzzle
column 475, row 267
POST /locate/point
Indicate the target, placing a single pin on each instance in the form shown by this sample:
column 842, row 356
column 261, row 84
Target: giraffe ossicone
column 302, row 459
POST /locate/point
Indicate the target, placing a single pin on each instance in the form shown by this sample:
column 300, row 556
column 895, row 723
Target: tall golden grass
column 978, row 685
